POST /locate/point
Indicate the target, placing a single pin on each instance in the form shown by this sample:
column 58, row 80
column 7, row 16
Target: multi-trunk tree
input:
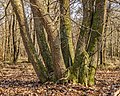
column 58, row 53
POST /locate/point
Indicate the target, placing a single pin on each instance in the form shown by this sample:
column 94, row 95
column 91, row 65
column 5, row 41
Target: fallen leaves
column 21, row 80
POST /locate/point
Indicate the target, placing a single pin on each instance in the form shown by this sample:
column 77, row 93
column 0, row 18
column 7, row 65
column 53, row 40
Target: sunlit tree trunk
column 104, row 35
column 24, row 31
column 2, row 47
column 98, row 20
column 54, row 40
column 41, row 39
column 86, row 52
column 5, row 40
column 111, row 42
column 14, row 40
column 81, row 57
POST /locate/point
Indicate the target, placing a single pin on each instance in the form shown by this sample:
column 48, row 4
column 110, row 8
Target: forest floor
column 20, row 80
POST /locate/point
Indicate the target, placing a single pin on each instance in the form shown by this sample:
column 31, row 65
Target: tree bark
column 41, row 39
column 81, row 57
column 104, row 33
column 24, row 31
column 98, row 20
column 86, row 52
column 66, row 33
column 54, row 40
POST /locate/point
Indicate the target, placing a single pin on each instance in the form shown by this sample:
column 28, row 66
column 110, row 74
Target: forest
column 59, row 48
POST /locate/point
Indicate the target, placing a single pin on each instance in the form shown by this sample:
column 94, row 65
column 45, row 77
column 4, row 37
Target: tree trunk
column 81, row 56
column 24, row 31
column 14, row 38
column 9, row 39
column 54, row 40
column 98, row 20
column 111, row 42
column 86, row 52
column 5, row 40
column 66, row 33
column 41, row 39
column 104, row 33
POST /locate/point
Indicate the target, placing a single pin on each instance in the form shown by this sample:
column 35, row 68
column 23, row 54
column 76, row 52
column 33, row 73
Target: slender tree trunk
column 24, row 31
column 3, row 37
column 30, row 32
column 81, row 57
column 118, row 42
column 111, row 42
column 14, row 38
column 9, row 39
column 98, row 20
column 5, row 40
column 66, row 33
column 104, row 33
column 41, row 39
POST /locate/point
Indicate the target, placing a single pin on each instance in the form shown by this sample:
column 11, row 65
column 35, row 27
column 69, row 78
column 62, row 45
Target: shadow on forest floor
column 20, row 80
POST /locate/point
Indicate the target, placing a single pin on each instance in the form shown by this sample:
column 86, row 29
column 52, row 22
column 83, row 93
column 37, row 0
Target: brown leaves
column 21, row 80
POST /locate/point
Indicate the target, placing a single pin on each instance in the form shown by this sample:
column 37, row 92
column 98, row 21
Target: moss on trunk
column 96, row 35
column 66, row 33
column 41, row 40
column 24, row 31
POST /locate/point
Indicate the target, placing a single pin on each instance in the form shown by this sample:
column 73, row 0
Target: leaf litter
column 20, row 80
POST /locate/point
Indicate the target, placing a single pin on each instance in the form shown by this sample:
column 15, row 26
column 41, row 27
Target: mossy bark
column 84, row 69
column 66, row 33
column 24, row 31
column 82, row 57
column 97, row 25
column 41, row 40
column 54, row 40
column 86, row 50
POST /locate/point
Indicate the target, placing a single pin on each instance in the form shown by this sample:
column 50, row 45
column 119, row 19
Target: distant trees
column 10, row 42
column 16, row 47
